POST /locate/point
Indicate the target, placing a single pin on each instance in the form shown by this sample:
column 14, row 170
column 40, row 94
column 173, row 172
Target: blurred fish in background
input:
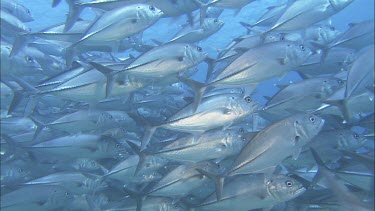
column 186, row 105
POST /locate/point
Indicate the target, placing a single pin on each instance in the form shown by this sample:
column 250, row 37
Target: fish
column 75, row 182
column 305, row 95
column 302, row 14
column 158, row 63
column 83, row 145
column 229, row 108
column 188, row 34
column 211, row 145
column 128, row 20
column 17, row 10
column 255, row 155
column 254, row 192
column 43, row 196
column 252, row 67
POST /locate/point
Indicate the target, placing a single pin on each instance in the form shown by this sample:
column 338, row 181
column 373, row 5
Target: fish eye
column 248, row 99
column 199, row 49
column 20, row 170
column 340, row 82
column 332, row 28
column 355, row 135
column 312, row 119
column 117, row 145
column 242, row 130
column 216, row 20
column 288, row 183
column 243, row 139
column 29, row 59
column 302, row 47
column 93, row 163
column 67, row 194
column 151, row 8
column 282, row 38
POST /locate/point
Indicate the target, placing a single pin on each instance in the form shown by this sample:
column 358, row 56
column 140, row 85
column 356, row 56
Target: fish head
column 150, row 177
column 331, row 85
column 273, row 37
column 24, row 13
column 14, row 173
column 328, row 33
column 306, row 126
column 212, row 24
column 112, row 146
column 87, row 165
column 148, row 14
column 297, row 53
column 27, row 61
column 340, row 4
column 194, row 54
column 349, row 140
column 243, row 104
column 284, row 188
column 232, row 142
column 153, row 163
column 290, row 36
column 59, row 195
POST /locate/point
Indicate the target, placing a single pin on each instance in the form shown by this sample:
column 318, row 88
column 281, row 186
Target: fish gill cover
column 187, row 105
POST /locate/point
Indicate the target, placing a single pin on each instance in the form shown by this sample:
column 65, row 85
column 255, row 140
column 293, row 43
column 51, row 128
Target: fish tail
column 149, row 132
column 142, row 156
column 198, row 88
column 20, row 42
column 321, row 167
column 249, row 27
column 108, row 74
column 137, row 195
column 39, row 127
column 211, row 66
column 219, row 181
column 34, row 95
column 74, row 11
column 55, row 3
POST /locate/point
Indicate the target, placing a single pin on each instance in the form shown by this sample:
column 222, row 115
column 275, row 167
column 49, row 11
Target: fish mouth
column 322, row 123
column 160, row 13
column 299, row 191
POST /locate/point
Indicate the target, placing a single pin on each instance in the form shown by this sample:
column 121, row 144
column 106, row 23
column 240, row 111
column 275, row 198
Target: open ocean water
column 187, row 105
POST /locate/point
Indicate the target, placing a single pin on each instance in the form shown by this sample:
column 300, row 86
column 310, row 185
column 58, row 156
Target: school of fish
column 96, row 117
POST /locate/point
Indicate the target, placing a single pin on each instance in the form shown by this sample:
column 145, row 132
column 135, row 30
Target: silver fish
column 194, row 34
column 261, row 63
column 253, row 192
column 215, row 144
column 17, row 10
column 302, row 14
column 46, row 196
column 224, row 109
column 268, row 148
column 305, row 95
